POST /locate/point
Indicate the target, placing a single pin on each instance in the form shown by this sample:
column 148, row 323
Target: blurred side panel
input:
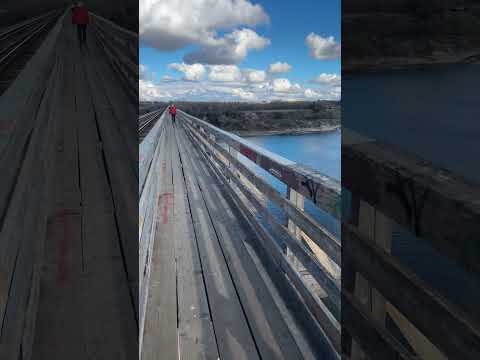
column 410, row 178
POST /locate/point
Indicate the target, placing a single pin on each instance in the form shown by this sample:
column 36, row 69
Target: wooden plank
column 373, row 337
column 417, row 195
column 196, row 333
column 272, row 336
column 233, row 335
column 122, row 177
column 441, row 322
column 86, row 243
column 160, row 338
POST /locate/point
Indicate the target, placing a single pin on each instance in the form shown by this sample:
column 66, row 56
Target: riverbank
column 294, row 131
column 405, row 63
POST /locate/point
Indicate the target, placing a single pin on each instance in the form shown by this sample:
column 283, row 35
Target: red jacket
column 80, row 15
column 172, row 110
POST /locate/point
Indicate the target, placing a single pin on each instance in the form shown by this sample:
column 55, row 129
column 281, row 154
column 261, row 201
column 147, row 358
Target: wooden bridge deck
column 71, row 291
column 210, row 295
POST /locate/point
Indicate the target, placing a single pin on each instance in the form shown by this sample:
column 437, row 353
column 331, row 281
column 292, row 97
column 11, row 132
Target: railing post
column 378, row 227
column 298, row 200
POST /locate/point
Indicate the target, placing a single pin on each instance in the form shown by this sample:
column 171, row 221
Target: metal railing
column 304, row 250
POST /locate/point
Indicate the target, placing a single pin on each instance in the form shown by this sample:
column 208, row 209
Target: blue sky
column 193, row 50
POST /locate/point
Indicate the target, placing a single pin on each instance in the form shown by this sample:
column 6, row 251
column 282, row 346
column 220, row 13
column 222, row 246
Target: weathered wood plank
column 374, row 339
column 417, row 195
column 196, row 334
column 454, row 333
column 233, row 335
column 272, row 336
column 160, row 337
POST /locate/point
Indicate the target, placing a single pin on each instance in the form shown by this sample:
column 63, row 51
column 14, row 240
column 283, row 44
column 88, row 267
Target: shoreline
column 298, row 131
column 399, row 63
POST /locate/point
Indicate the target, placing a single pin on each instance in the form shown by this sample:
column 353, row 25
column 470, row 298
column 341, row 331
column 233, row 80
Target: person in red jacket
column 80, row 18
column 172, row 110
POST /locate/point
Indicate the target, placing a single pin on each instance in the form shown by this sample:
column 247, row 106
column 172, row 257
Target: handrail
column 432, row 204
column 416, row 195
column 322, row 190
column 229, row 170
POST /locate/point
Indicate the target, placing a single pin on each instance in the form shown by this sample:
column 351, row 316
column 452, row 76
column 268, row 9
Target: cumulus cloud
column 323, row 48
column 309, row 93
column 243, row 94
column 172, row 24
column 279, row 67
column 192, row 72
column 284, row 85
column 255, row 76
column 231, row 49
column 149, row 91
column 327, row 79
column 226, row 73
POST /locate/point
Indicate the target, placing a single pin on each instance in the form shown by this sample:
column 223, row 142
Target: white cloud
column 172, row 24
column 193, row 72
column 231, row 49
column 309, row 93
column 243, row 94
column 148, row 91
column 255, row 76
column 323, row 48
column 279, row 67
column 328, row 79
column 284, row 85
column 167, row 78
column 224, row 73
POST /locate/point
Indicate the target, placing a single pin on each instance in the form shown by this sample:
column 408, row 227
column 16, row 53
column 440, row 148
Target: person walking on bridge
column 81, row 18
column 172, row 110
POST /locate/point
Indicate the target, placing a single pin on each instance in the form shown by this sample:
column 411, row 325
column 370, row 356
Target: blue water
column 319, row 151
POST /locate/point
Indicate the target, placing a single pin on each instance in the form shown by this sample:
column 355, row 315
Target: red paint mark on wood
column 166, row 203
column 252, row 155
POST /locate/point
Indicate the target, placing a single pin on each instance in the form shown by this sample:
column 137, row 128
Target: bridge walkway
column 211, row 294
column 75, row 277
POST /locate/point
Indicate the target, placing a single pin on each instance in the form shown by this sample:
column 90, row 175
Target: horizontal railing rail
column 430, row 203
column 249, row 190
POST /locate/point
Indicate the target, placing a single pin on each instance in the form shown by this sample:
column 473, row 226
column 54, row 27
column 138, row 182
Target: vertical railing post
column 298, row 200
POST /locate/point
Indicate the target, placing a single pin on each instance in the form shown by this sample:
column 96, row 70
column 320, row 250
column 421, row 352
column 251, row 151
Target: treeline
column 226, row 107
